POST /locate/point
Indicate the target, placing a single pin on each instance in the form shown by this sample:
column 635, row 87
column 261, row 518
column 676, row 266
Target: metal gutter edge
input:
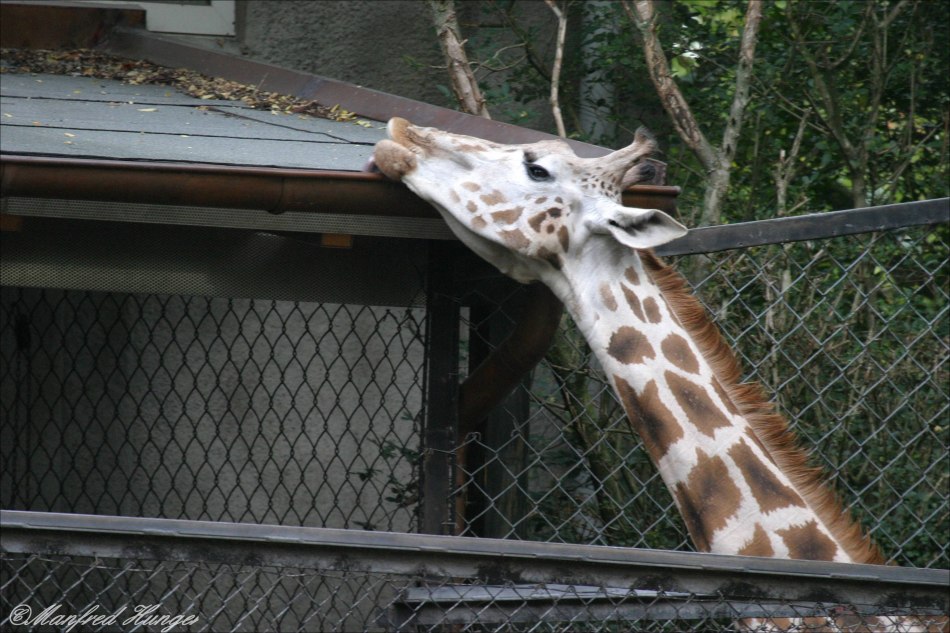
column 270, row 189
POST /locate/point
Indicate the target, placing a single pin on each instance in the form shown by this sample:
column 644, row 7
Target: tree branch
column 556, row 70
column 832, row 65
column 827, row 110
column 643, row 15
column 785, row 167
column 740, row 99
column 534, row 60
column 893, row 13
column 463, row 80
column 717, row 162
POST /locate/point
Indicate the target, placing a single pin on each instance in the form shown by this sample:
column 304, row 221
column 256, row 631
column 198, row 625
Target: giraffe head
column 527, row 209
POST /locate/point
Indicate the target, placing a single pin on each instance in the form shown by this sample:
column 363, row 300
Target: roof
column 148, row 153
column 83, row 117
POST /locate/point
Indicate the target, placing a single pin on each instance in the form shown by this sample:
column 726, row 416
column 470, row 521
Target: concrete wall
column 366, row 42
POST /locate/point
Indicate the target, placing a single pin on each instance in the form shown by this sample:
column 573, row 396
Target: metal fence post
column 442, row 367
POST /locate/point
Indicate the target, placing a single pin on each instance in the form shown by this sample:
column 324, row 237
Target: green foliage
column 903, row 137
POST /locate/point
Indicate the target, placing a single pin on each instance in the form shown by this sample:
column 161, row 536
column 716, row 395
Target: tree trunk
column 717, row 183
column 716, row 161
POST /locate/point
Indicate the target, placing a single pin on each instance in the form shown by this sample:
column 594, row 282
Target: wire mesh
column 210, row 408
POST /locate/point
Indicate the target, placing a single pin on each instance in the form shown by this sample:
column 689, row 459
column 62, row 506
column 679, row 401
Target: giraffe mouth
column 396, row 156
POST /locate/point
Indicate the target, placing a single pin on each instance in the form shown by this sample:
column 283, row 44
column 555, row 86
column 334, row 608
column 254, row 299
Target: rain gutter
column 197, row 185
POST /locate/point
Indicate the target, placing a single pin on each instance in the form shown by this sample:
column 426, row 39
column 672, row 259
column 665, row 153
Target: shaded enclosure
column 143, row 387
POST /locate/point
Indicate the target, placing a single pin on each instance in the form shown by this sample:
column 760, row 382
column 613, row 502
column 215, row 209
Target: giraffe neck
column 735, row 472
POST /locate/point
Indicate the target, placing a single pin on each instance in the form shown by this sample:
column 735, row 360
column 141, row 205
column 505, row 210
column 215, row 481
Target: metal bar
column 710, row 608
column 252, row 219
column 442, row 369
column 436, row 556
column 809, row 227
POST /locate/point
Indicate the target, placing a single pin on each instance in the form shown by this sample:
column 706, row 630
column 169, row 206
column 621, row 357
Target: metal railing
column 273, row 578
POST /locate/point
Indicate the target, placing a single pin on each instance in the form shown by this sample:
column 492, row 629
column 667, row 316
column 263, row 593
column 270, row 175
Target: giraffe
column 538, row 212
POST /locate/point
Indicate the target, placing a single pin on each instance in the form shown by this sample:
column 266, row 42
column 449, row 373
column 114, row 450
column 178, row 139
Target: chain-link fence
column 851, row 334
column 210, row 408
column 304, row 412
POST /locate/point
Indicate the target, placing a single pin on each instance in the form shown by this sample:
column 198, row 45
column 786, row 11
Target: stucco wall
column 366, row 42
column 391, row 46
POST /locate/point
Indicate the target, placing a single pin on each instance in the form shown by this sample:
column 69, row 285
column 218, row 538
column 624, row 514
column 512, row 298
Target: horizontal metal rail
column 492, row 561
column 813, row 226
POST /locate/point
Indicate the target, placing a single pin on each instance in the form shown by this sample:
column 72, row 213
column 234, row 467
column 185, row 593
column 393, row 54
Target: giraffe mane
column 770, row 427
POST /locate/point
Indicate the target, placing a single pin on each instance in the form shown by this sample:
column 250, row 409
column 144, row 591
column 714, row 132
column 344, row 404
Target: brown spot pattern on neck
column 770, row 493
column 771, row 429
column 677, row 351
column 652, row 310
column 634, row 302
column 707, row 499
column 628, row 345
column 650, row 418
column 807, row 542
column 758, row 545
column 632, row 276
column 696, row 404
column 608, row 297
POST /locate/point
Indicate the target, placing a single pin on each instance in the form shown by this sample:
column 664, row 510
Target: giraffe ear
column 637, row 228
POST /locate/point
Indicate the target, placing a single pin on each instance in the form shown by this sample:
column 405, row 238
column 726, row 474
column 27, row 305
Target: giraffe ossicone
column 538, row 212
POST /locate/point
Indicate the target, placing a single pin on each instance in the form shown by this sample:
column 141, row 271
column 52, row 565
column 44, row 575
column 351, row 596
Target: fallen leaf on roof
column 146, row 109
column 92, row 63
column 69, row 135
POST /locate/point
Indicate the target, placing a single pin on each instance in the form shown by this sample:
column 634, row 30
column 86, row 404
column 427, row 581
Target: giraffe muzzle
column 391, row 158
column 396, row 156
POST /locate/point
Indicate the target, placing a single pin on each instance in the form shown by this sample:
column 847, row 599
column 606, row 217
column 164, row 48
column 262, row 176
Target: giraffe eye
column 537, row 172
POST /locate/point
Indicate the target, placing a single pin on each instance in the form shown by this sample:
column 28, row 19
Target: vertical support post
column 494, row 501
column 442, row 369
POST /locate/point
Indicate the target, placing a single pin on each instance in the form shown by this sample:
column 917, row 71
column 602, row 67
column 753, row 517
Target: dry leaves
column 90, row 63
